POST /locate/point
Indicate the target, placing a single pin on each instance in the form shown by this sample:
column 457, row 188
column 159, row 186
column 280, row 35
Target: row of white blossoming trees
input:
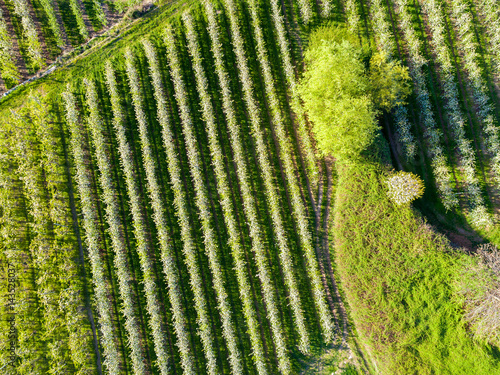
column 166, row 219
column 453, row 105
column 33, row 34
column 197, row 264
column 48, row 319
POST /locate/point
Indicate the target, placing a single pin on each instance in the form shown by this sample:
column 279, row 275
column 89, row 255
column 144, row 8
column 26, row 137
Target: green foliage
column 397, row 276
column 478, row 286
column 8, row 69
column 344, row 87
column 404, row 187
column 390, row 82
column 332, row 31
column 335, row 91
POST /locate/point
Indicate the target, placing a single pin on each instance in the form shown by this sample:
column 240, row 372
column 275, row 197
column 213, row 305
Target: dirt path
column 111, row 16
column 320, row 235
column 326, row 254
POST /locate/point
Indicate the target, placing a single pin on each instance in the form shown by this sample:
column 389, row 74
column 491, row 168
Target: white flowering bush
column 404, row 187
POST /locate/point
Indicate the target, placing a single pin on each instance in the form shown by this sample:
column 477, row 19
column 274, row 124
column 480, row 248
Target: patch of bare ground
column 459, row 240
column 336, row 358
column 458, row 236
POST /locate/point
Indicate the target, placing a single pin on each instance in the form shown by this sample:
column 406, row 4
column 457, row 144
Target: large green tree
column 344, row 88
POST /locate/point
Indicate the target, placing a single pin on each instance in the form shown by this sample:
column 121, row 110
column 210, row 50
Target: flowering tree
column 404, row 187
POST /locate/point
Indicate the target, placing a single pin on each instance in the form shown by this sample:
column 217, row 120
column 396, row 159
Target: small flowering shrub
column 404, row 187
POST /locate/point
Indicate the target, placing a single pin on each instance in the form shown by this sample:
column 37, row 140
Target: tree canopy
column 344, row 88
column 390, row 82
